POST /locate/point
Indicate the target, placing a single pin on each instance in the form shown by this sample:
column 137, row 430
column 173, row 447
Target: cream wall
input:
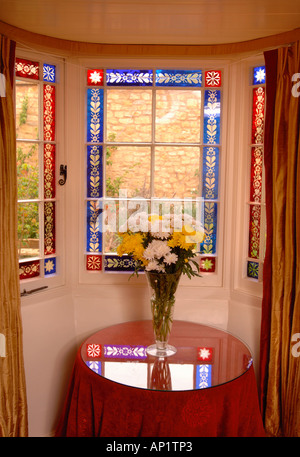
column 57, row 321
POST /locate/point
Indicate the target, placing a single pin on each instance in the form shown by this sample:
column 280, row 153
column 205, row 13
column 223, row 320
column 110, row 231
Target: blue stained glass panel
column 252, row 269
column 210, row 227
column 94, row 171
column 212, row 114
column 129, row 77
column 203, row 376
column 210, row 173
column 94, row 232
column 94, row 115
column 49, row 73
column 95, row 365
column 181, row 78
column 259, row 75
column 125, row 352
column 50, row 266
column 115, row 263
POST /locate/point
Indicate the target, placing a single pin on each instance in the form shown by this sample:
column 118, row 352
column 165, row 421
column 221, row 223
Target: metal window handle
column 63, row 173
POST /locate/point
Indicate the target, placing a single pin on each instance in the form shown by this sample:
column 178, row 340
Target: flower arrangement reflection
column 165, row 248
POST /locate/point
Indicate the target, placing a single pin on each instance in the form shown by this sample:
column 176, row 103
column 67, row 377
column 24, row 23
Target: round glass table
column 207, row 389
column 205, row 356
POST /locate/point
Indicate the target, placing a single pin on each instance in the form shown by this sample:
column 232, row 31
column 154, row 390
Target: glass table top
column 205, row 357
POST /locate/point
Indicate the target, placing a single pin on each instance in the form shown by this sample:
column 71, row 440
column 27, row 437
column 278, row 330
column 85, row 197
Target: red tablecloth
column 98, row 407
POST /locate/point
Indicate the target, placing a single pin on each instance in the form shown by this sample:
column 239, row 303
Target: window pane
column 49, row 228
column 49, row 73
column 27, row 108
column 28, row 230
column 95, row 115
column 120, row 215
column 176, row 172
column 183, row 78
column 128, row 168
column 49, row 112
column 49, row 170
column 212, row 116
column 177, row 116
column 254, row 231
column 129, row 77
column 129, row 115
column 258, row 107
column 27, row 68
column 28, row 170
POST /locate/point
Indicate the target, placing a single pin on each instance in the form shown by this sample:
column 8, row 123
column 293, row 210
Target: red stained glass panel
column 258, row 110
column 95, row 77
column 49, row 228
column 254, row 231
column 29, row 269
column 256, row 174
column 207, row 264
column 94, row 262
column 27, row 68
column 213, row 78
column 49, row 112
column 49, row 170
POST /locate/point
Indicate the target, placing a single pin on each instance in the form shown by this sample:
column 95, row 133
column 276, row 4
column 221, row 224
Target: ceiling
column 186, row 22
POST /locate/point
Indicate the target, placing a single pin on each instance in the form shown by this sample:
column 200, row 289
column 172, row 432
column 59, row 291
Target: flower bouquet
column 165, row 248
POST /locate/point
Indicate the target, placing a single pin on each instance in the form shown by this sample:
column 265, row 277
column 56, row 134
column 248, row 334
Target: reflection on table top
column 206, row 356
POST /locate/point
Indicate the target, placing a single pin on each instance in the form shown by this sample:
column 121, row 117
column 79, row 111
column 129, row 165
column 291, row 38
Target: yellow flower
column 193, row 236
column 132, row 244
column 179, row 240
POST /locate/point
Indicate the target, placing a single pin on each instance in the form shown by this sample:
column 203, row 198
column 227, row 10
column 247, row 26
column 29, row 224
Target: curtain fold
column 13, row 402
column 280, row 374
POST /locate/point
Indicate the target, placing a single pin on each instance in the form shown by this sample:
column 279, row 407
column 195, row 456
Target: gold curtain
column 282, row 387
column 13, row 404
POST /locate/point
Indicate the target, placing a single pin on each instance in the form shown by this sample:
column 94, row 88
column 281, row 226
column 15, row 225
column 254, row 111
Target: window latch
column 29, row 292
column 63, row 173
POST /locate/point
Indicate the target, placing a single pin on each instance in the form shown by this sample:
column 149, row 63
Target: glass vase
column 162, row 288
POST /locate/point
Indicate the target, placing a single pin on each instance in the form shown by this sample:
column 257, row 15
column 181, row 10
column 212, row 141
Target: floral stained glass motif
column 49, row 228
column 49, row 112
column 252, row 269
column 210, row 173
column 125, row 352
column 27, row 68
column 205, row 354
column 213, row 78
column 93, row 262
column 254, row 231
column 95, row 77
column 210, row 227
column 259, row 75
column 212, row 113
column 94, row 171
column 203, row 376
column 93, row 350
column 182, row 78
column 50, row 266
column 95, row 365
column 49, row 73
column 207, row 264
column 49, row 170
column 256, row 174
column 258, row 107
column 29, row 269
column 129, row 77
column 94, row 231
column 94, row 115
column 117, row 264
